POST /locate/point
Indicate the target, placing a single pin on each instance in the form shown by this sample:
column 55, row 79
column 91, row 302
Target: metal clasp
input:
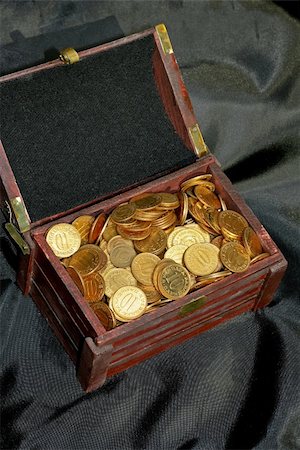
column 192, row 306
column 69, row 56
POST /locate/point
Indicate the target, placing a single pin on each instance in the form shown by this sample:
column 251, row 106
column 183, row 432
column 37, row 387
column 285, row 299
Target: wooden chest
column 115, row 125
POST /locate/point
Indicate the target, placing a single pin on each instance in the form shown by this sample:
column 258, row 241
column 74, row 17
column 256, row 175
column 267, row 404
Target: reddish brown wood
column 8, row 179
column 178, row 339
column 68, row 292
column 57, row 327
column 93, row 365
column 273, row 280
column 176, row 324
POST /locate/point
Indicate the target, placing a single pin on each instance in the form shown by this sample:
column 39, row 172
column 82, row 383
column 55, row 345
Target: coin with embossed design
column 234, row 257
column 63, row 239
column 104, row 314
column 77, row 278
column 143, row 266
column 251, row 242
column 117, row 278
column 155, row 243
column 83, row 224
column 148, row 202
column 201, row 259
column 88, row 259
column 233, row 223
column 174, row 281
column 123, row 213
column 122, row 255
column 94, row 287
column 176, row 253
column 128, row 302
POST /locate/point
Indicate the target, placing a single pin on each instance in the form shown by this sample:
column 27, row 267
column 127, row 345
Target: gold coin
column 154, row 243
column 234, row 257
column 122, row 255
column 116, row 240
column 109, row 230
column 251, row 242
column 215, row 275
column 123, row 213
column 149, row 215
column 77, row 278
column 163, row 263
column 134, row 235
column 172, row 236
column 207, row 197
column 151, row 293
column 65, row 261
column 189, row 236
column 212, row 218
column 259, row 257
column 129, row 303
column 232, row 222
column 103, row 245
column 168, row 200
column 174, row 281
column 166, row 221
column 207, row 184
column 194, row 181
column 96, row 228
column 63, row 239
column 94, row 287
column 88, row 259
column 104, row 314
column 176, row 253
column 148, row 202
column 83, row 224
column 184, row 207
column 116, row 278
column 143, row 266
column 198, row 227
column 223, row 204
column 217, row 241
column 201, row 259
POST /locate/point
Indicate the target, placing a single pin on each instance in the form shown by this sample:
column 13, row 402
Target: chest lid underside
column 73, row 134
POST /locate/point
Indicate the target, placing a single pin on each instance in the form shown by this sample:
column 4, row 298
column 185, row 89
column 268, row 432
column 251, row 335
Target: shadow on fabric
column 262, row 397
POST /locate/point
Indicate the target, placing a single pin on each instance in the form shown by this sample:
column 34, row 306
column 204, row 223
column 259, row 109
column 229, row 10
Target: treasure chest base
column 97, row 353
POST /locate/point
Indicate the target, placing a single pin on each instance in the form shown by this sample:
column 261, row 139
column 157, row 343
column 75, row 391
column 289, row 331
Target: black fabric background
column 74, row 124
column 236, row 386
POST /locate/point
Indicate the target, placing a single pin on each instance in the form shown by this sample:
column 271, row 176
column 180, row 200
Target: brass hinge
column 164, row 38
column 19, row 211
column 196, row 137
column 69, row 56
column 15, row 235
column 195, row 304
column 12, row 229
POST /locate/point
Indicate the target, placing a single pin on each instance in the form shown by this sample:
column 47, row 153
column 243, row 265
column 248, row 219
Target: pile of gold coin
column 154, row 249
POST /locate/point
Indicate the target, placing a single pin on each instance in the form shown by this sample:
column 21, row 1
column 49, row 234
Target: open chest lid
column 75, row 134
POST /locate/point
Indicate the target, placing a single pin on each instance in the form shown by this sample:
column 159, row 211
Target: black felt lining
column 76, row 133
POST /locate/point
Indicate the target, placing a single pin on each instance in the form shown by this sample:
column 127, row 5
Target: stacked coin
column 154, row 249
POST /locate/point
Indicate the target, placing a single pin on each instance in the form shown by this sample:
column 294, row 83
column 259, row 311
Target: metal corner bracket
column 164, row 38
column 197, row 139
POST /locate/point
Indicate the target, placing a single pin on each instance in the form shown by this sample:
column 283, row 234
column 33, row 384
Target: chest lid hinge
column 197, row 140
column 16, row 207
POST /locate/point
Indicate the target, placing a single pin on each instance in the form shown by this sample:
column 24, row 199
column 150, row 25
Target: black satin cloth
column 233, row 387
